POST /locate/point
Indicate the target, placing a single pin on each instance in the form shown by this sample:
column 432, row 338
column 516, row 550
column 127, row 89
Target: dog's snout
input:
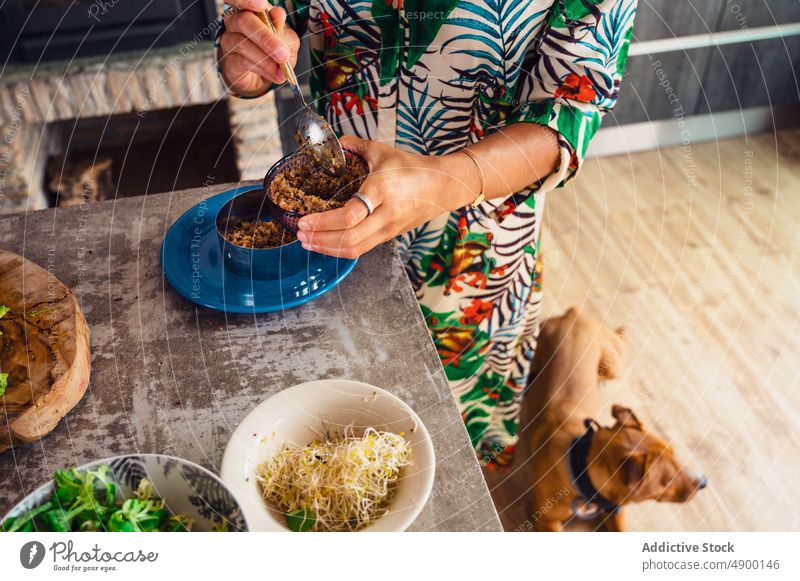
column 697, row 480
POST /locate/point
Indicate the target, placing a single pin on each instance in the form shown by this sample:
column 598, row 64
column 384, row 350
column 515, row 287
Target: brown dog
column 566, row 466
column 84, row 181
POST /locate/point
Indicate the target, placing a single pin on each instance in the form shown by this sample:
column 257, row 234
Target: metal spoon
column 312, row 131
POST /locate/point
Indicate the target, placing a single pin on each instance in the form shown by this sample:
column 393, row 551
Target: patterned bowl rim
column 27, row 500
column 270, row 175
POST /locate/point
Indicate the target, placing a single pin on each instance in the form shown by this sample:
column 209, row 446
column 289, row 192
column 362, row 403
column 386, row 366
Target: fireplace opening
column 98, row 158
column 83, row 129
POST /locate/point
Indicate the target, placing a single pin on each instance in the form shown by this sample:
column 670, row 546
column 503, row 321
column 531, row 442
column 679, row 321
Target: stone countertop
column 174, row 378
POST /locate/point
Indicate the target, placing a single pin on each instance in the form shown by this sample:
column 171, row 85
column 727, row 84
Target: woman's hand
column 406, row 189
column 251, row 52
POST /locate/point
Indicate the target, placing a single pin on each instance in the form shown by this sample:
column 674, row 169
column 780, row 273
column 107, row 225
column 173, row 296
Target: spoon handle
column 288, row 72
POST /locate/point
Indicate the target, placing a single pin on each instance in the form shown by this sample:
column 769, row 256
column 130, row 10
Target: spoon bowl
column 315, row 134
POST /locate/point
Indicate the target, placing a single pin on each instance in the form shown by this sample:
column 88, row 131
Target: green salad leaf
column 86, row 501
column 301, row 520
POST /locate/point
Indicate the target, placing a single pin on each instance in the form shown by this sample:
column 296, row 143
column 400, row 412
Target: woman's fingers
column 250, row 25
column 369, row 150
column 241, row 73
column 356, row 241
column 347, row 227
column 353, row 143
column 374, row 188
column 346, row 237
column 254, row 58
column 241, row 70
column 288, row 36
column 348, row 216
column 249, row 4
column 278, row 17
column 261, row 52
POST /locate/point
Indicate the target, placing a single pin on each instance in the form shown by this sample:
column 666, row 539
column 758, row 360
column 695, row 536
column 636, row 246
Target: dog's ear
column 633, row 469
column 625, row 416
column 642, row 476
column 104, row 164
column 612, row 357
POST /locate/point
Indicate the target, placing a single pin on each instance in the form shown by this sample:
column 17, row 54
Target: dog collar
column 577, row 460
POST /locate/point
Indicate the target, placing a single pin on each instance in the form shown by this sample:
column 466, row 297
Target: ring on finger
column 366, row 201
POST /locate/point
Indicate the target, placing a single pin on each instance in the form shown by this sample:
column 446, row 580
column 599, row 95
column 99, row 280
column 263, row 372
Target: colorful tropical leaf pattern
column 431, row 76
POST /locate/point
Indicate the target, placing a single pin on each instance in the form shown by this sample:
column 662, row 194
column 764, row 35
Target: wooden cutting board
column 44, row 349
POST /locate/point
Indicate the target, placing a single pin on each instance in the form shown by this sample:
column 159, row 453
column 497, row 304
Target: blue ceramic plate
column 192, row 262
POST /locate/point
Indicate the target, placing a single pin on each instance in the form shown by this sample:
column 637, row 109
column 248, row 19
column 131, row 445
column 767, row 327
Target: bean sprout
column 346, row 481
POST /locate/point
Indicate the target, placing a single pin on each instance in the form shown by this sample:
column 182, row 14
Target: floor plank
column 695, row 250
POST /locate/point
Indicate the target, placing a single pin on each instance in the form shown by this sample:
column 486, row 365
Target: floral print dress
column 431, row 76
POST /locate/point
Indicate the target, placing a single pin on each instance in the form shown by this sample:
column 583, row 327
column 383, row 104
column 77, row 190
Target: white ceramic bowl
column 297, row 415
column 185, row 487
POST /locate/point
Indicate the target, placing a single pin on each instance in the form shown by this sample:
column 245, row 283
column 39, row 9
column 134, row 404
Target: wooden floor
column 695, row 250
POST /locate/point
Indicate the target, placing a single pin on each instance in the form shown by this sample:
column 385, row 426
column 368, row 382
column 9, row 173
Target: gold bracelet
column 481, row 196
